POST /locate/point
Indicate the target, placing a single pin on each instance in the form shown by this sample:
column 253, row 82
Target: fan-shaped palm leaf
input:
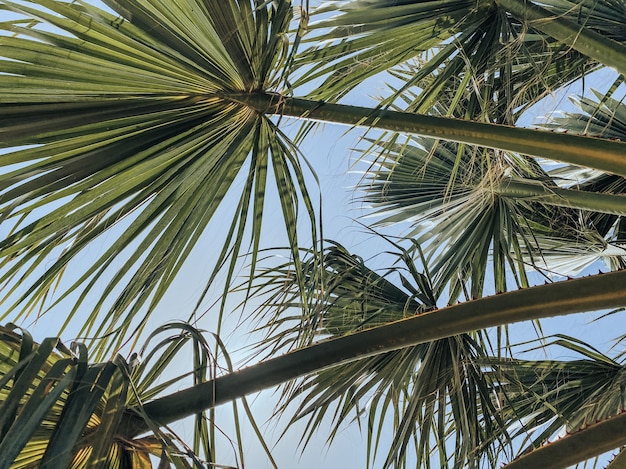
column 123, row 126
column 414, row 387
column 455, row 198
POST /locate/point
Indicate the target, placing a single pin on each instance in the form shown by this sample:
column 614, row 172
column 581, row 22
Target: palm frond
column 450, row 196
column 471, row 50
column 542, row 399
column 59, row 410
column 411, row 389
column 116, row 128
column 346, row 284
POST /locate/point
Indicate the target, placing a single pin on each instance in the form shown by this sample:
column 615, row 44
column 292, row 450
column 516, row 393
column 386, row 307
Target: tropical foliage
column 154, row 131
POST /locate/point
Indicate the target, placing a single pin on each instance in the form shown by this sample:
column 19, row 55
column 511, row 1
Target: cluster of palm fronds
column 59, row 410
column 134, row 128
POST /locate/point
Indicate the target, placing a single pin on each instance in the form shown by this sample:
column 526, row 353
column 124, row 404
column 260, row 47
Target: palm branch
column 123, row 135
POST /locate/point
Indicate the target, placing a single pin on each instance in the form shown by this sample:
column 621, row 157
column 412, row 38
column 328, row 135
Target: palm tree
column 130, row 124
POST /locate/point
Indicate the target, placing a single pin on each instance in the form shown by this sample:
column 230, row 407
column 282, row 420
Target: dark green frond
column 541, row 399
column 412, row 390
column 58, row 410
column 463, row 51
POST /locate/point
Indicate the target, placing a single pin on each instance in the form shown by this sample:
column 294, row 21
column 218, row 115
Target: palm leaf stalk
column 602, row 154
column 557, row 299
column 585, row 444
column 614, row 204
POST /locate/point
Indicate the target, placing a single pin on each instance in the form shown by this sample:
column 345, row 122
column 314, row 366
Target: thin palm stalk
column 557, row 299
column 602, row 154
column 614, row 204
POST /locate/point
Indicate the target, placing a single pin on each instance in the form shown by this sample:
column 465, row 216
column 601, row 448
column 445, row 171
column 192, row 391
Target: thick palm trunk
column 602, row 154
column 557, row 299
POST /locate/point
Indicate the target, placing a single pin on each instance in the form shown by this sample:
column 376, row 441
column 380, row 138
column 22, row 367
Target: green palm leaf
column 471, row 50
column 411, row 389
column 454, row 198
column 124, row 135
column 59, row 410
column 52, row 407
column 540, row 399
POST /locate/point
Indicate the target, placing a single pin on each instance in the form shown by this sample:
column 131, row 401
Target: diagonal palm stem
column 602, row 154
column 557, row 299
column 580, row 446
column 614, row 204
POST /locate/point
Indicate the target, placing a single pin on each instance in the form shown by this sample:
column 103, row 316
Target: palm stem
column 557, row 299
column 587, row 42
column 602, row 154
column 580, row 446
column 614, row 204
